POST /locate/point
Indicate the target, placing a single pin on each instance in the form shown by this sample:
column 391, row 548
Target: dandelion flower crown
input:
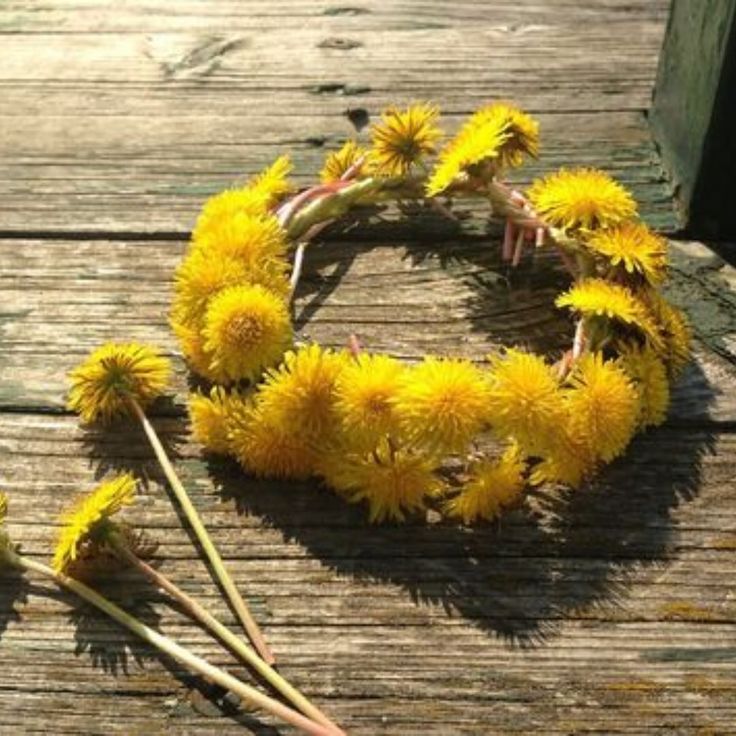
column 377, row 430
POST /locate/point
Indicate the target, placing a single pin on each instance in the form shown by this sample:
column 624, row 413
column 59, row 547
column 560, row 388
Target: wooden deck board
column 610, row 611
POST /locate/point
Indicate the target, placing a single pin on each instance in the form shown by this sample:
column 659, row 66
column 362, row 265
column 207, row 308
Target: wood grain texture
column 610, row 611
column 124, row 120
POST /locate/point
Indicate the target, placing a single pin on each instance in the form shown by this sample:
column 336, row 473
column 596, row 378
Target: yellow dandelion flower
column 365, row 395
column 476, row 147
column 5, row 543
column 526, row 402
column 393, row 482
column 603, row 404
column 595, row 297
column 493, row 485
column 267, row 449
column 191, row 342
column 246, row 329
column 272, row 183
column 635, row 247
column 225, row 206
column 338, row 162
column 403, row 137
column 211, row 415
column 300, row 393
column 443, row 403
column 258, row 241
column 201, row 275
column 677, row 333
column 650, row 376
column 521, row 131
column 581, row 199
column 85, row 522
column 568, row 460
column 114, row 373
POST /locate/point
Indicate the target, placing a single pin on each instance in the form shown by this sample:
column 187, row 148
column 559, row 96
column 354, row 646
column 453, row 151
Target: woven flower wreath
column 377, row 430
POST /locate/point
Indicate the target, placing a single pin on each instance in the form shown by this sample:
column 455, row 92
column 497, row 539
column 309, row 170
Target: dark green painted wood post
column 694, row 114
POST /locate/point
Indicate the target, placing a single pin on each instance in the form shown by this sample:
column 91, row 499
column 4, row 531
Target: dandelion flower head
column 85, row 523
column 443, row 403
column 493, row 485
column 581, row 200
column 114, row 373
column 635, row 247
column 246, row 329
column 392, row 482
column 403, row 138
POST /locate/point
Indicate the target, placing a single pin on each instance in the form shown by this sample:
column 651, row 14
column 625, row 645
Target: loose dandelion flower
column 84, row 523
column 269, row 449
column 300, row 393
column 595, row 297
column 581, row 200
column 365, row 396
column 246, row 329
column 339, row 162
column 603, row 404
column 211, row 417
column 393, row 482
column 493, row 485
column 443, row 403
column 635, row 247
column 525, row 400
column 650, row 376
column 114, row 374
column 403, row 138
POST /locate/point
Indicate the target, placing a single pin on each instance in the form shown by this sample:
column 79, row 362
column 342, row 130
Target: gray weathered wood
column 694, row 113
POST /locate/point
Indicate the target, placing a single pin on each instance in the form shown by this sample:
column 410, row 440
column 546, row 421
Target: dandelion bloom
column 603, row 404
column 246, row 329
column 635, row 247
column 492, row 486
column 495, row 137
column 103, row 384
column 525, row 400
column 258, row 241
column 568, row 458
column 273, row 183
column 650, row 376
column 225, row 206
column 403, row 137
column 339, row 162
column 676, row 331
column 211, row 416
column 581, row 199
column 300, row 393
column 86, row 518
column 268, row 449
column 443, row 403
column 365, row 395
column 595, row 297
column 391, row 481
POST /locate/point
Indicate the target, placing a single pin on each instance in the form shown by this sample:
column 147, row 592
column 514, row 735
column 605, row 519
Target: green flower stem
column 237, row 645
column 170, row 647
column 241, row 609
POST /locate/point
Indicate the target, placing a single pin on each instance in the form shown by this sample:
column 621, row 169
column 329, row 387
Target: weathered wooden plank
column 130, row 131
column 618, row 598
column 92, row 16
column 59, row 299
